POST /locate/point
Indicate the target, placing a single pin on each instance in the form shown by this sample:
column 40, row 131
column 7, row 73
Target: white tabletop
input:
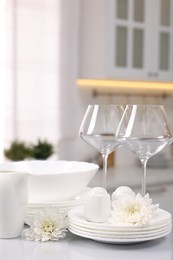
column 77, row 248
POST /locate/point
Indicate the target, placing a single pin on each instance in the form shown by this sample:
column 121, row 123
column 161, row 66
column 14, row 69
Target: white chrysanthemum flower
column 133, row 211
column 48, row 224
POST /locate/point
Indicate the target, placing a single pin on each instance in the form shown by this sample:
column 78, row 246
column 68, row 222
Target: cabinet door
column 142, row 41
column 128, row 25
column 126, row 39
column 165, row 40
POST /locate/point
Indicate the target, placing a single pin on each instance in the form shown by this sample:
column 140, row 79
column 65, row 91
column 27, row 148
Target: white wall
column 3, row 79
column 42, row 55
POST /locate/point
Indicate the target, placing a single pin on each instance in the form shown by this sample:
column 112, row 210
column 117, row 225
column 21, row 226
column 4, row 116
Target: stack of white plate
column 107, row 232
column 63, row 206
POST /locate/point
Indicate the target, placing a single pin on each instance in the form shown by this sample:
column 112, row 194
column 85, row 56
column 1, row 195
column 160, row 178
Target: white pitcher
column 13, row 202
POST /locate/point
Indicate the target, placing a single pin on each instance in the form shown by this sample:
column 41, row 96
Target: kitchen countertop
column 131, row 175
column 76, row 248
column 73, row 247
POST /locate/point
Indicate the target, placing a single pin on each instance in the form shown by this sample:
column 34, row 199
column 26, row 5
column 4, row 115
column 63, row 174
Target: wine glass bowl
column 144, row 130
column 98, row 129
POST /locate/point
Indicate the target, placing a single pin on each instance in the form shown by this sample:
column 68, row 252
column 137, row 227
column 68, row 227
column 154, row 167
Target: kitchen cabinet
column 126, row 39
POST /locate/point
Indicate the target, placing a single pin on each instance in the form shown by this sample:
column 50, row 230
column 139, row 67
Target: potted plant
column 17, row 151
column 42, row 150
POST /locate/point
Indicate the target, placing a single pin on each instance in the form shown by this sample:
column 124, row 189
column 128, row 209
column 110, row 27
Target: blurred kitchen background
column 58, row 56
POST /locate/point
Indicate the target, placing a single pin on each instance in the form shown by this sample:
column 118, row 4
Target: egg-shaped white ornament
column 122, row 192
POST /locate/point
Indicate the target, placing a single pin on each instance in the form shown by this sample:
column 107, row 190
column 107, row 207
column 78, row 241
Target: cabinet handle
column 153, row 74
column 150, row 74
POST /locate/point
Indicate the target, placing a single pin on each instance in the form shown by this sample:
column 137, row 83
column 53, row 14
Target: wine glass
column 145, row 131
column 98, row 129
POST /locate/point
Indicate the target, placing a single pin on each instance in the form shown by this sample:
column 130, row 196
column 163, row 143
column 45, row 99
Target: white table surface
column 76, row 248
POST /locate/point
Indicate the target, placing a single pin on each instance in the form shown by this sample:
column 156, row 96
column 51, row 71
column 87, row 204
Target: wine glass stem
column 105, row 162
column 144, row 166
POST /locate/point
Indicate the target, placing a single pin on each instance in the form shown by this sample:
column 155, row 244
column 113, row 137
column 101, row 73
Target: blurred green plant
column 19, row 151
column 42, row 150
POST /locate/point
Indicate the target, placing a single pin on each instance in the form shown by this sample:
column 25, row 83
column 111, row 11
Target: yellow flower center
column 133, row 209
column 48, row 226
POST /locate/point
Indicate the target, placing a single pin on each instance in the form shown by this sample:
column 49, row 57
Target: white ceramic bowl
column 52, row 181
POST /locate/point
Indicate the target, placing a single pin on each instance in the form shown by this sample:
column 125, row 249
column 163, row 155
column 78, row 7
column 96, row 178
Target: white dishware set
column 29, row 186
column 145, row 131
column 109, row 233
column 93, row 221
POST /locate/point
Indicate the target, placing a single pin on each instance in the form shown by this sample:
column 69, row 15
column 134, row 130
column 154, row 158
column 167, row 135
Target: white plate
column 122, row 236
column 119, row 234
column 118, row 240
column 118, row 229
column 76, row 215
column 63, row 206
column 70, row 203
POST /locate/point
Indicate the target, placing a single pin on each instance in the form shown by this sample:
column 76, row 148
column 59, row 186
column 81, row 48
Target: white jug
column 13, row 202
